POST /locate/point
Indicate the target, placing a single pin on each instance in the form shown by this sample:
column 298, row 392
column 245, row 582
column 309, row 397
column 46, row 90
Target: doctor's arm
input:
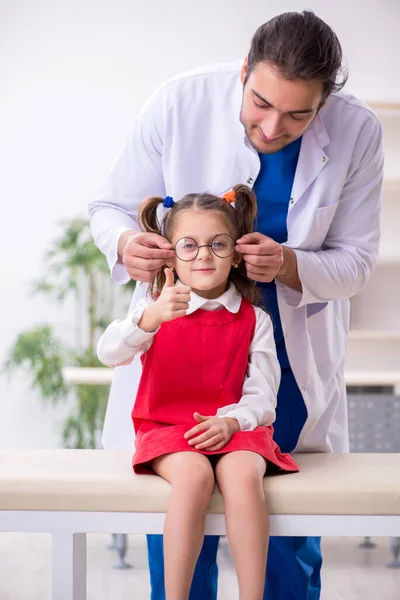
column 136, row 174
column 350, row 250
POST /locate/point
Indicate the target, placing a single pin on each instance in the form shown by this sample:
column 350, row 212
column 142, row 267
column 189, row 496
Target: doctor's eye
column 301, row 118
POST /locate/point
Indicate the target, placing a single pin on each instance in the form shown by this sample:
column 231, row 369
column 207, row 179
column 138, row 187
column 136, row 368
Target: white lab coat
column 188, row 138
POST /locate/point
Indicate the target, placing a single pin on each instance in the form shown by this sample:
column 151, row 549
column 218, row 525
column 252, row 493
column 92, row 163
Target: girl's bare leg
column 192, row 479
column 240, row 478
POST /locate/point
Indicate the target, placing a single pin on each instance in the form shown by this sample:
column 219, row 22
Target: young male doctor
column 281, row 123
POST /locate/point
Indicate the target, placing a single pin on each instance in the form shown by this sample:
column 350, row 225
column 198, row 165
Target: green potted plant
column 75, row 268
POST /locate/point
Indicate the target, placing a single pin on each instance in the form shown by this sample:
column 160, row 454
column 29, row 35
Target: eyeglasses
column 187, row 249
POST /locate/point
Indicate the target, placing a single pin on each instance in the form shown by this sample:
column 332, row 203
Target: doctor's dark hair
column 301, row 46
column 240, row 220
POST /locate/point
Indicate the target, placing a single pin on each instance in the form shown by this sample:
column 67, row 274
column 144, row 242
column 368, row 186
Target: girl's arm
column 258, row 402
column 123, row 340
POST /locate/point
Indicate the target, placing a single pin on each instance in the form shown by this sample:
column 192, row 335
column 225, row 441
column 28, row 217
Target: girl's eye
column 218, row 245
column 189, row 246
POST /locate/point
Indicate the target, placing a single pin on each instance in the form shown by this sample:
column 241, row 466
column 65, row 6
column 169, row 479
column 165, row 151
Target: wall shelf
column 374, row 334
column 103, row 375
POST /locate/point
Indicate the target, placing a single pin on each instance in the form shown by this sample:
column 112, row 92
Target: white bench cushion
column 99, row 480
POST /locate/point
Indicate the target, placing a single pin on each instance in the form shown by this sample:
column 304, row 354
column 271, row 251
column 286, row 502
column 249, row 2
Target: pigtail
column 147, row 215
column 245, row 209
column 245, row 221
column 148, row 222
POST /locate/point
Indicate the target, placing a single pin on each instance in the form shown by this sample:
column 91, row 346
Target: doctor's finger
column 268, row 246
column 252, row 238
column 264, row 261
column 140, row 274
column 135, row 249
column 145, row 264
column 152, row 240
column 265, row 277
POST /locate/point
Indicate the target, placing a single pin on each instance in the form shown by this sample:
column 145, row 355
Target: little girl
column 207, row 395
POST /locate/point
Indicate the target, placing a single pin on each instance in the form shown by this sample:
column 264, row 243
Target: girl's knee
column 196, row 477
column 245, row 473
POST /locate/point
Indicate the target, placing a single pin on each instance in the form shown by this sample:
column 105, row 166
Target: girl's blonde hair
column 241, row 220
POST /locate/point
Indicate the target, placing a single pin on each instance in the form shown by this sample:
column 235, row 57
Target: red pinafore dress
column 197, row 363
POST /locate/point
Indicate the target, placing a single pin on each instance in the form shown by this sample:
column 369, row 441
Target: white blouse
column 123, row 340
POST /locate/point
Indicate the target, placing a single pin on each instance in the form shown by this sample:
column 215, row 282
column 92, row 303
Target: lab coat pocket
column 322, row 221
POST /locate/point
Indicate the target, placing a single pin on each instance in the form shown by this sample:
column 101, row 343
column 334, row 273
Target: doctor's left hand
column 262, row 255
column 212, row 433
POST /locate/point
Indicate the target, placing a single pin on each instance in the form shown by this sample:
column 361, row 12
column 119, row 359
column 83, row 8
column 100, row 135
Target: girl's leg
column 240, row 478
column 192, row 479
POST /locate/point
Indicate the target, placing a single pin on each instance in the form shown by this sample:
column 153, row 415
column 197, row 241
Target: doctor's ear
column 323, row 102
column 244, row 70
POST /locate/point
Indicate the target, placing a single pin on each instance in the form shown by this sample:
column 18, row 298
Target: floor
column 349, row 572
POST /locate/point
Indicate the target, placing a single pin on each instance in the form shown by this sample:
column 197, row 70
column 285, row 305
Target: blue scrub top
column 273, row 187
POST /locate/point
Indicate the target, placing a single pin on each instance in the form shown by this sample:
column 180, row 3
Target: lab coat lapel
column 312, row 158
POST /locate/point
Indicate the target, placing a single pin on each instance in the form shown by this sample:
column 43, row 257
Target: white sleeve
column 136, row 175
column 350, row 251
column 123, row 340
column 258, row 402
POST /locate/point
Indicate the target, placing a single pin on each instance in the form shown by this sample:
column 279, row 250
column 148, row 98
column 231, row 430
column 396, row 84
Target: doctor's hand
column 173, row 302
column 143, row 254
column 262, row 255
column 212, row 433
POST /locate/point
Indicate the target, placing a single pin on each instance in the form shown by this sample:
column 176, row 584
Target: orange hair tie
column 230, row 196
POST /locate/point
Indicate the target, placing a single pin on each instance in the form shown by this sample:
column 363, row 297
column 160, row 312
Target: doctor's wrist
column 123, row 240
column 288, row 273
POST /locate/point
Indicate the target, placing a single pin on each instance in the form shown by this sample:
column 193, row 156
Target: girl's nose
column 204, row 252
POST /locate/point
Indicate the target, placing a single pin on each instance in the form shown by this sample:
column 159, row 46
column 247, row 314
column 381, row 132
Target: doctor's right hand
column 172, row 303
column 143, row 254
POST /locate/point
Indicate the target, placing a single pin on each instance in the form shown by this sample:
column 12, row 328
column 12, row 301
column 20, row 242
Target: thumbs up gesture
column 169, row 278
column 172, row 303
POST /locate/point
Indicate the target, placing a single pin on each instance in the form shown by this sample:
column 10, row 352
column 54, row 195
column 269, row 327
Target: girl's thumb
column 169, row 277
column 199, row 418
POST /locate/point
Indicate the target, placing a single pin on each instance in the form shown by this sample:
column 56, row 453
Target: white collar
column 231, row 300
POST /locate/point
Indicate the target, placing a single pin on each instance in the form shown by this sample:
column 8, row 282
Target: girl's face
column 207, row 274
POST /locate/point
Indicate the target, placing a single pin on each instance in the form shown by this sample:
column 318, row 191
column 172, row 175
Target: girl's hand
column 172, row 303
column 212, row 433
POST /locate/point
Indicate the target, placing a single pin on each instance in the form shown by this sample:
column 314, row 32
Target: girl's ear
column 236, row 259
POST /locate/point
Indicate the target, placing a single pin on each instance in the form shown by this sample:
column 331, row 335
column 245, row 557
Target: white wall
column 72, row 76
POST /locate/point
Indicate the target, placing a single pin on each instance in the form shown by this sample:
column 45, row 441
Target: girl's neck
column 213, row 293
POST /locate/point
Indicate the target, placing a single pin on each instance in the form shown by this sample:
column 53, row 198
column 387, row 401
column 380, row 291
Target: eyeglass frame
column 204, row 246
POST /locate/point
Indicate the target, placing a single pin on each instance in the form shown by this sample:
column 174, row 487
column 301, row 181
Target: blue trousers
column 294, row 563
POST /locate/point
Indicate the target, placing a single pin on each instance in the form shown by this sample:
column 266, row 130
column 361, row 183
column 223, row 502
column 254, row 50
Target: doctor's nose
column 272, row 126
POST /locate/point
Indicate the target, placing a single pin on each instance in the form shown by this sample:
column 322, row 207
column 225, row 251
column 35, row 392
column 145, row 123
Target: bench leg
column 121, row 546
column 69, row 566
column 395, row 548
column 367, row 543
